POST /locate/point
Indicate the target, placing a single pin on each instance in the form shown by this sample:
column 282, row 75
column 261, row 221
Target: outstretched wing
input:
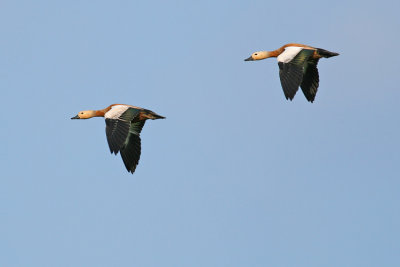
column 291, row 66
column 310, row 82
column 118, row 126
column 290, row 76
column 131, row 149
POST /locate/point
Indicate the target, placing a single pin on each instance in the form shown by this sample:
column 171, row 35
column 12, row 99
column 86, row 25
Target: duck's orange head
column 85, row 114
column 258, row 56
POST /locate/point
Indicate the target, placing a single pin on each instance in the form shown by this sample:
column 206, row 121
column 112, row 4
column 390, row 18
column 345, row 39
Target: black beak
column 249, row 59
column 76, row 117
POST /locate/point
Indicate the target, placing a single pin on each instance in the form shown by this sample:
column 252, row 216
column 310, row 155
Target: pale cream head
column 85, row 114
column 258, row 55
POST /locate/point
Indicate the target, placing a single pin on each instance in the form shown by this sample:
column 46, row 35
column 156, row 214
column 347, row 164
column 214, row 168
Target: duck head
column 85, row 114
column 258, row 56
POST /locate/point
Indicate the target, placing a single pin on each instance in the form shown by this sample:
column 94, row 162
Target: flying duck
column 297, row 67
column 123, row 126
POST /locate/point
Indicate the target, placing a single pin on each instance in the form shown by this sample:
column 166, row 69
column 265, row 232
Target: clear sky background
column 236, row 175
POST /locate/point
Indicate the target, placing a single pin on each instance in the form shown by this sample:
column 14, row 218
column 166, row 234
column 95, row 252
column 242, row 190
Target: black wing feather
column 291, row 73
column 130, row 152
column 117, row 130
column 310, row 82
column 290, row 76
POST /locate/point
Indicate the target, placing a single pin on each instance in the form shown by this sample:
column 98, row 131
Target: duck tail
column 326, row 53
column 152, row 115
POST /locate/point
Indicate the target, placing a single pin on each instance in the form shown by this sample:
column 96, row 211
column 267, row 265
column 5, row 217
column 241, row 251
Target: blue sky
column 236, row 175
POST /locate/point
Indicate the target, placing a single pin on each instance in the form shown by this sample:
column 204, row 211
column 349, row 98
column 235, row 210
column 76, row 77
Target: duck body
column 297, row 67
column 124, row 124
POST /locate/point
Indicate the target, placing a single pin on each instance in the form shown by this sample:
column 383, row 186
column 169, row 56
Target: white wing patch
column 115, row 111
column 289, row 53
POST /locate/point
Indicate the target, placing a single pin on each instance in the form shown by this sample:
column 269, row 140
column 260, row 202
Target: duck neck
column 275, row 53
column 102, row 112
column 99, row 113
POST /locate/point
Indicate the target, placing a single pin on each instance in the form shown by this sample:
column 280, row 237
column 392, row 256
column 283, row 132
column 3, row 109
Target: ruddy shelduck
column 297, row 67
column 123, row 126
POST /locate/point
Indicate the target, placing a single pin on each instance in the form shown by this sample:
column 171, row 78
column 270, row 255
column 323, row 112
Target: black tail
column 152, row 115
column 156, row 116
column 326, row 53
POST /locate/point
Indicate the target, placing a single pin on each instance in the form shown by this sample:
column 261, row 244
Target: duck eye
column 81, row 112
column 255, row 54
